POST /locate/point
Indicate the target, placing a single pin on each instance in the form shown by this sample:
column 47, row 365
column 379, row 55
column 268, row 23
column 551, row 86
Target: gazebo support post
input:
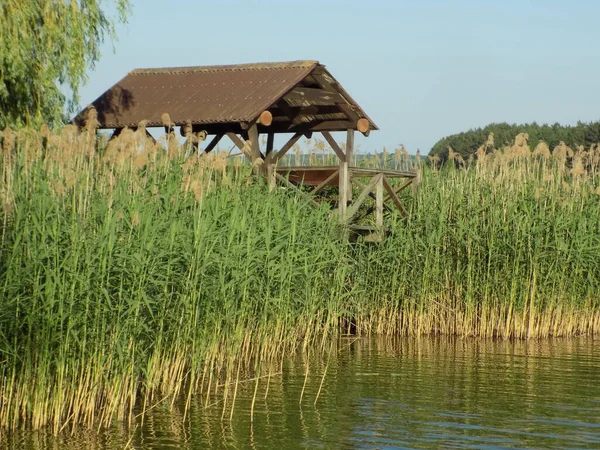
column 379, row 205
column 344, row 178
column 343, row 191
column 254, row 144
column 270, row 167
column 350, row 159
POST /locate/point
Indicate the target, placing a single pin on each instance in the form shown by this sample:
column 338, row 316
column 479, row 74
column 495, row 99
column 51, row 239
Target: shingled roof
column 301, row 95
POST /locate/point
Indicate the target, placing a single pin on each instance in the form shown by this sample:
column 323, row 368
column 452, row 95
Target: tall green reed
column 131, row 276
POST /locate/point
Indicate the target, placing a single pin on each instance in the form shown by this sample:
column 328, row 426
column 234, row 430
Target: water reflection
column 423, row 393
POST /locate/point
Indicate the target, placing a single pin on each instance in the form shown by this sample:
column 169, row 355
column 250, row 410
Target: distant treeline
column 467, row 143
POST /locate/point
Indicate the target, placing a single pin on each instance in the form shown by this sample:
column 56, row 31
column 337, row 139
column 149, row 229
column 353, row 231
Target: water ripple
column 410, row 393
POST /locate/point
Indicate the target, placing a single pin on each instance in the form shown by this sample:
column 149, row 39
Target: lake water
column 381, row 394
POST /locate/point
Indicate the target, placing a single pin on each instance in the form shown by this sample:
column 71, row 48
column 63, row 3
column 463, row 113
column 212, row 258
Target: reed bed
column 132, row 275
column 503, row 245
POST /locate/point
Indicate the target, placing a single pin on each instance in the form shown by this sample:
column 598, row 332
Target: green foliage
column 131, row 276
column 46, row 47
column 467, row 143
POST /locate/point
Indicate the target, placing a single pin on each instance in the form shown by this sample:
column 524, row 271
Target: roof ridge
column 228, row 67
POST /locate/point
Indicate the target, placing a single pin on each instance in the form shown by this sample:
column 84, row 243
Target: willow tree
column 46, row 48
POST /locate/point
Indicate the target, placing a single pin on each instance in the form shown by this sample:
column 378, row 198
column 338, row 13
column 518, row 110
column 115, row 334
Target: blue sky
column 421, row 69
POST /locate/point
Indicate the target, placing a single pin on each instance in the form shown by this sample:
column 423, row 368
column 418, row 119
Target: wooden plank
column 117, row 131
column 302, row 96
column 362, row 197
column 350, row 146
column 350, row 113
column 415, row 184
column 254, row 144
column 292, row 112
column 400, row 189
column 350, row 158
column 324, row 125
column 305, row 115
column 334, row 145
column 308, row 168
column 287, row 110
column 324, row 81
column 236, row 140
column 366, row 172
column 271, row 178
column 240, row 144
column 288, row 145
column 285, row 181
column 358, row 183
column 298, row 114
column 269, row 149
column 367, row 228
column 343, row 182
column 349, row 106
column 147, row 134
column 393, row 196
column 325, row 182
column 379, row 202
column 362, row 186
column 213, row 143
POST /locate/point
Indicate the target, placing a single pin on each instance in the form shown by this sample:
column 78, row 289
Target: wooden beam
column 265, row 118
column 270, row 141
column 393, row 196
column 150, row 136
column 400, row 189
column 279, row 114
column 325, row 182
column 287, row 110
column 362, row 197
column 390, row 173
column 305, row 114
column 301, row 96
column 213, row 143
column 363, row 125
column 271, row 179
column 240, row 144
column 350, row 113
column 289, row 144
column 254, row 144
column 324, row 125
column 117, row 132
column 334, row 145
column 379, row 202
column 290, row 185
column 328, row 83
column 350, row 146
column 271, row 176
column 236, row 140
column 344, row 181
column 415, row 183
column 323, row 80
column 362, row 186
column 350, row 158
column 358, row 183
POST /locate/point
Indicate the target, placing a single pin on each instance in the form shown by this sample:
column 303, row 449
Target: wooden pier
column 243, row 102
column 371, row 184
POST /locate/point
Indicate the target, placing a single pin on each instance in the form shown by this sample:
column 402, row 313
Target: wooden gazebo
column 242, row 102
